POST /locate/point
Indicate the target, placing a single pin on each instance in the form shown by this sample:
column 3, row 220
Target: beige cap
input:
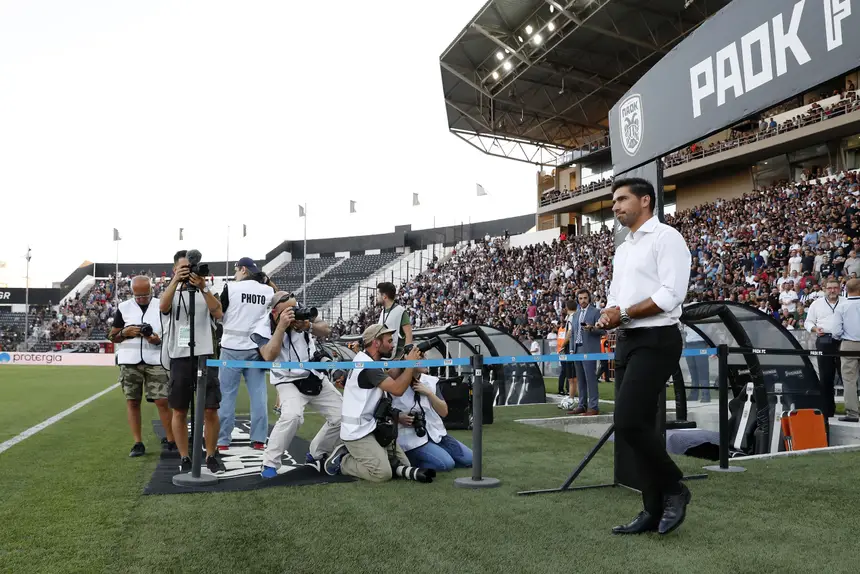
column 374, row 332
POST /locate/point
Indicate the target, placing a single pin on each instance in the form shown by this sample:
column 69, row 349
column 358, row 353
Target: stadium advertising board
column 58, row 359
column 747, row 57
column 18, row 296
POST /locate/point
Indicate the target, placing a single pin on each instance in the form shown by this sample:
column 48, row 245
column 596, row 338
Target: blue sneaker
column 269, row 472
column 332, row 463
column 309, row 459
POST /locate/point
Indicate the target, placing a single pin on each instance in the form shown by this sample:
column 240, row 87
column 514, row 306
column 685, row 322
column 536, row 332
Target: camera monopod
column 195, row 478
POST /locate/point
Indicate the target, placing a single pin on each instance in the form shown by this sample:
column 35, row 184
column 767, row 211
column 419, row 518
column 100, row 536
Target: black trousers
column 644, row 360
column 564, row 378
column 827, row 369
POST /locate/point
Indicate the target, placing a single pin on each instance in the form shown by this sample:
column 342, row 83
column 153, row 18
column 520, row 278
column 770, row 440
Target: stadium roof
column 531, row 79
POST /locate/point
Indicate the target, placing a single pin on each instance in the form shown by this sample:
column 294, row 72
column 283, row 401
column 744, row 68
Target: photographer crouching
column 174, row 305
column 244, row 303
column 422, row 434
column 137, row 334
column 370, row 422
column 284, row 335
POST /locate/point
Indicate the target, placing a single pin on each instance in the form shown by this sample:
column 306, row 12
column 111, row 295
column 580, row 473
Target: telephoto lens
column 146, row 330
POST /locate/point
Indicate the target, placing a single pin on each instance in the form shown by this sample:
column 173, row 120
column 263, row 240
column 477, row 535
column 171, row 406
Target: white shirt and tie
column 652, row 262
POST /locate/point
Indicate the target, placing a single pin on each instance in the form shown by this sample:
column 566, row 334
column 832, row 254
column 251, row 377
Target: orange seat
column 804, row 429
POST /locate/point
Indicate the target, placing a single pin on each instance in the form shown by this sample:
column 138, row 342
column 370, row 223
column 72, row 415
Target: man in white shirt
column 651, row 273
column 820, row 322
column 846, row 326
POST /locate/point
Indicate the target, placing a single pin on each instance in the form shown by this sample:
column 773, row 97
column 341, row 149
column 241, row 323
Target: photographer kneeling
column 422, row 433
column 369, row 423
column 284, row 336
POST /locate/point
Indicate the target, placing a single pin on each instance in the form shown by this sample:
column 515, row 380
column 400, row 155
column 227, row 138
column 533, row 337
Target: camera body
column 321, row 356
column 385, row 409
column 146, row 330
column 305, row 313
column 200, row 269
column 419, row 423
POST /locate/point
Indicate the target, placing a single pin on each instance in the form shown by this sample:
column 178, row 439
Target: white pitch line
column 48, row 422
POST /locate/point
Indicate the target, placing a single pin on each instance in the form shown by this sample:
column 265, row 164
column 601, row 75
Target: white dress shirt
column 820, row 314
column 846, row 320
column 653, row 262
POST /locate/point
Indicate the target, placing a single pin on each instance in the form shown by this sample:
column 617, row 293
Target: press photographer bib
column 179, row 329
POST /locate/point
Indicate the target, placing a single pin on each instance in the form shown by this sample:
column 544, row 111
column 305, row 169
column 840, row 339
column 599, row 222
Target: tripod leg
column 576, row 472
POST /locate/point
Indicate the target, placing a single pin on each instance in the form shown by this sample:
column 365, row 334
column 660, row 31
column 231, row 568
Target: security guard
column 394, row 317
column 139, row 359
column 244, row 303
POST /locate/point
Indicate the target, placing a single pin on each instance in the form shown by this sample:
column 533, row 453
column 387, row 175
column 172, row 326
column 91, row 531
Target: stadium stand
column 835, row 106
column 345, row 275
column 770, row 248
column 289, row 277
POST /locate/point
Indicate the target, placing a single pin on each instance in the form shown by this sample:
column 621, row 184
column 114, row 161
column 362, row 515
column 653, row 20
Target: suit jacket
column 590, row 339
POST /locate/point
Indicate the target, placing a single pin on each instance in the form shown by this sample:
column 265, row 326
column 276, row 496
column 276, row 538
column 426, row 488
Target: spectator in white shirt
column 820, row 322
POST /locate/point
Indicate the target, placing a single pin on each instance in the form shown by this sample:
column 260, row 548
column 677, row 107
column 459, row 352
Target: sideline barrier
column 503, row 360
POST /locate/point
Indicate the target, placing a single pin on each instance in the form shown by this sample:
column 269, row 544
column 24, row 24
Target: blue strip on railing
column 464, row 361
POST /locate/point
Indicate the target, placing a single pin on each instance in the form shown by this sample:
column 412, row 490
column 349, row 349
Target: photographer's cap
column 279, row 297
column 249, row 263
column 374, row 332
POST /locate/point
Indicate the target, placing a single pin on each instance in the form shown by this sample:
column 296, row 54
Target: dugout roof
column 531, row 79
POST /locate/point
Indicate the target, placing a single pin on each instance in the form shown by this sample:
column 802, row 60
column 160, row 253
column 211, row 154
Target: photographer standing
column 395, row 317
column 284, row 335
column 137, row 334
column 422, row 434
column 174, row 305
column 244, row 303
column 368, row 426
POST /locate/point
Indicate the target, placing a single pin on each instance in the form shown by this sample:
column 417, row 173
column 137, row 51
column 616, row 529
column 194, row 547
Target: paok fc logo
column 630, row 121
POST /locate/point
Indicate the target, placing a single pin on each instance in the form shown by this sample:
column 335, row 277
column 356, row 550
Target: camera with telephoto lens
column 194, row 265
column 321, row 356
column 305, row 313
column 419, row 423
column 146, row 330
column 423, row 346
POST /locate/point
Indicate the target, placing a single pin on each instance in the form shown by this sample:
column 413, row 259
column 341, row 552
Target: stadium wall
column 728, row 184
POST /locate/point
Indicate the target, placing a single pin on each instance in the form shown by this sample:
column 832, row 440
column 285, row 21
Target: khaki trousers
column 849, row 378
column 368, row 460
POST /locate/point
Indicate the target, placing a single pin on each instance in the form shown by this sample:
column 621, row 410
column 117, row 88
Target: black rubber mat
column 243, row 467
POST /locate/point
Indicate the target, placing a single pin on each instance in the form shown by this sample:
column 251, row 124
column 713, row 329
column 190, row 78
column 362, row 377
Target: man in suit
column 585, row 338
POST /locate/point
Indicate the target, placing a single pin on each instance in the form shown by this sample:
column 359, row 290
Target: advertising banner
column 58, row 359
column 746, row 58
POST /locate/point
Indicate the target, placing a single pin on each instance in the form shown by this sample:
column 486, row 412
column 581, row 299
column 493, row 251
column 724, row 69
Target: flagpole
column 27, row 302
column 305, row 262
column 116, row 275
column 227, row 263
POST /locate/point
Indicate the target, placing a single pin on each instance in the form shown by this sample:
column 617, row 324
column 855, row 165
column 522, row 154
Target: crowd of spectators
column 771, row 249
column 10, row 337
column 91, row 313
column 766, row 128
column 554, row 195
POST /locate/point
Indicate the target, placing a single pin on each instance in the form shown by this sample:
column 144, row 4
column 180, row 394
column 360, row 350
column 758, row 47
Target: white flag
column 415, row 199
column 481, row 191
column 301, row 211
column 351, row 206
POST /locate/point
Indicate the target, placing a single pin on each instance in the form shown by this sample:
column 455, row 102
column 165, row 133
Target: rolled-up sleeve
column 673, row 270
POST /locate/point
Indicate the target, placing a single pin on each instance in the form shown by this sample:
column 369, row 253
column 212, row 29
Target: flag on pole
column 181, row 229
column 244, row 230
column 481, row 191
column 351, row 206
column 415, row 199
column 116, row 236
column 301, row 211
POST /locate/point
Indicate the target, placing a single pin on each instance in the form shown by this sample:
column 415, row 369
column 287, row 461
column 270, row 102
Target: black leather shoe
column 675, row 510
column 644, row 522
